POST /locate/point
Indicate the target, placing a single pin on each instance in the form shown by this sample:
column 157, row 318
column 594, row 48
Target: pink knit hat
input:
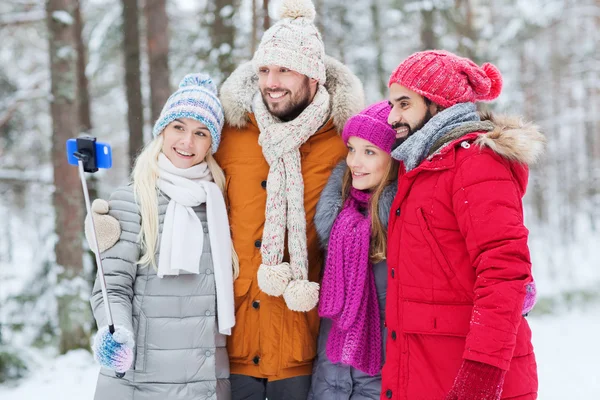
column 447, row 79
column 371, row 125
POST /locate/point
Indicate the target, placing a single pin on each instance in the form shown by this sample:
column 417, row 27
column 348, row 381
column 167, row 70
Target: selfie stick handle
column 86, row 196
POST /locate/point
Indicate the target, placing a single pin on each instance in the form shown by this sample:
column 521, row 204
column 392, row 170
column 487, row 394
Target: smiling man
column 284, row 111
column 416, row 112
column 458, row 260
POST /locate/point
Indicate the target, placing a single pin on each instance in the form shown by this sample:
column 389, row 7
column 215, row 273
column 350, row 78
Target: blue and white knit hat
column 197, row 99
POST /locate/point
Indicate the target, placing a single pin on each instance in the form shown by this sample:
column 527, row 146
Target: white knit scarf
column 182, row 237
column 280, row 143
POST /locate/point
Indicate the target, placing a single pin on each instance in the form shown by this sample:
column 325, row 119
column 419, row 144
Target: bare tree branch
column 22, row 18
column 15, row 175
column 8, row 114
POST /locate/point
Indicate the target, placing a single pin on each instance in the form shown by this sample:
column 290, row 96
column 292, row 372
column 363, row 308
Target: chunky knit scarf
column 414, row 149
column 280, row 143
column 348, row 293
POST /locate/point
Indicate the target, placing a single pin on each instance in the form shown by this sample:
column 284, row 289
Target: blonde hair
column 378, row 245
column 144, row 177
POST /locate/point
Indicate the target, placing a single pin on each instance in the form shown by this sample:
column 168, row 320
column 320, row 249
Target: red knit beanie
column 447, row 79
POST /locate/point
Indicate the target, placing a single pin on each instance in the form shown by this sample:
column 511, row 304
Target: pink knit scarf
column 348, row 294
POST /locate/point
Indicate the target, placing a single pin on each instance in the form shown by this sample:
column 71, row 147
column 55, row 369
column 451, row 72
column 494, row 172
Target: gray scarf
column 414, row 149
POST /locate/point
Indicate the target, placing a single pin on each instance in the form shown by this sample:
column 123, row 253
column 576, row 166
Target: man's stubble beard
column 294, row 106
column 411, row 131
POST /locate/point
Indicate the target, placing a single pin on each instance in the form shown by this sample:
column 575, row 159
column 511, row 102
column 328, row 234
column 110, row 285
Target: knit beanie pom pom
column 273, row 279
column 298, row 9
column 301, row 295
column 496, row 81
column 200, row 79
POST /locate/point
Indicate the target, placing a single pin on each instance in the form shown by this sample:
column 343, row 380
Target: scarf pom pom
column 273, row 279
column 301, row 295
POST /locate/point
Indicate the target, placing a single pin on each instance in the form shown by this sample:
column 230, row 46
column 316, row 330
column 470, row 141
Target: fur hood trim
column 513, row 139
column 330, row 204
column 345, row 89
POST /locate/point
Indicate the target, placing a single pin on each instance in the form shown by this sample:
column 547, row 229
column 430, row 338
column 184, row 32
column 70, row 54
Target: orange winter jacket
column 269, row 340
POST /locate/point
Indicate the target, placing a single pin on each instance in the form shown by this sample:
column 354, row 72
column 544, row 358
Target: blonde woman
column 170, row 274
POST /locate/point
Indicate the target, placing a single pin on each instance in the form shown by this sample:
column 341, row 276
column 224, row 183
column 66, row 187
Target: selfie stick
column 81, row 158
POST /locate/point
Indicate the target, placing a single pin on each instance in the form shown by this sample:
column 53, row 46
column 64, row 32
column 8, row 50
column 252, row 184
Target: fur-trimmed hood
column 513, row 139
column 330, row 204
column 344, row 88
column 507, row 136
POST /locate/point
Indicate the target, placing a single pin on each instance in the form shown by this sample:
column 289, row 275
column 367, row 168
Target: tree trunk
column 254, row 37
column 131, row 47
column 377, row 38
column 83, row 94
column 67, row 196
column 266, row 18
column 428, row 39
column 345, row 25
column 556, row 63
column 157, row 34
column 320, row 17
column 223, row 34
column 466, row 30
column 85, row 114
column 594, row 134
column 537, row 187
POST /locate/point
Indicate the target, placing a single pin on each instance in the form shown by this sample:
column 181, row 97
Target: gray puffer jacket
column 179, row 353
column 338, row 381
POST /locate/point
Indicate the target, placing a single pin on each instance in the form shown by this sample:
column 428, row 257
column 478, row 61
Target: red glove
column 477, row 381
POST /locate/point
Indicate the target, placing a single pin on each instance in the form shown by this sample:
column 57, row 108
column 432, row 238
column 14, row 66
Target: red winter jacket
column 458, row 263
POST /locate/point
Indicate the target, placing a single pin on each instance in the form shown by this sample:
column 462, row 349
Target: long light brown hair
column 378, row 245
column 145, row 177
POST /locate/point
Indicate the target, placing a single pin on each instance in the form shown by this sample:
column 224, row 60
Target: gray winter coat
column 179, row 353
column 338, row 381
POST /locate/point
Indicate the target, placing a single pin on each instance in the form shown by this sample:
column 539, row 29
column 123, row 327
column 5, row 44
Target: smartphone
column 102, row 156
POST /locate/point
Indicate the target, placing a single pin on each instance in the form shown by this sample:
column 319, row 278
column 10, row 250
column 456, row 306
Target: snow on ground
column 69, row 377
column 567, row 347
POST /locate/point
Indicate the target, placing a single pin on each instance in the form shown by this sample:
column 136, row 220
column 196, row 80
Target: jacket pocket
column 140, row 326
column 436, row 319
column 241, row 287
column 438, row 253
column 433, row 343
column 237, row 345
column 304, row 337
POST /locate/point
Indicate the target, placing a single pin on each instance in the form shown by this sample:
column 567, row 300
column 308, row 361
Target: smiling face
column 286, row 93
column 367, row 162
column 186, row 142
column 410, row 112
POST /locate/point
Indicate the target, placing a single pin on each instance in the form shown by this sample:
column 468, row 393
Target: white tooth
column 183, row 153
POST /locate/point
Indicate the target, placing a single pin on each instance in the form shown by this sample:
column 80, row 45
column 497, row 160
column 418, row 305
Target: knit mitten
column 114, row 351
column 477, row 381
column 530, row 297
column 108, row 229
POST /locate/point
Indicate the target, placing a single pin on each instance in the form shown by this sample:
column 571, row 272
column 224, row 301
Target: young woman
column 170, row 274
column 351, row 221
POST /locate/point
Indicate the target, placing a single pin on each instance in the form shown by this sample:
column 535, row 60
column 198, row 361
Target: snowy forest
column 106, row 67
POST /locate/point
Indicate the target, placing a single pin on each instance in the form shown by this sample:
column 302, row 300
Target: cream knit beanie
column 294, row 42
